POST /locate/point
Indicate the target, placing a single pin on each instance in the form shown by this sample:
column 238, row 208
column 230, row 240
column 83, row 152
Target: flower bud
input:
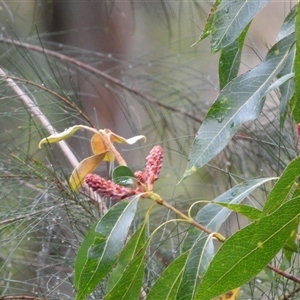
column 107, row 188
column 153, row 164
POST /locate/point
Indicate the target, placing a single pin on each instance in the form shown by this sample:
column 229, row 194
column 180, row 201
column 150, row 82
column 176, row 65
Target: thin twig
column 43, row 88
column 21, row 297
column 35, row 110
column 102, row 74
column 21, row 217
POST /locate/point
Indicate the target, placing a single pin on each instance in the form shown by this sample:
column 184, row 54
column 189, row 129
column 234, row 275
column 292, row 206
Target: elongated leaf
column 92, row 265
column 213, row 216
column 230, row 59
column 166, row 287
column 283, row 187
column 230, row 19
column 250, row 212
column 86, row 166
column 248, row 251
column 208, row 25
column 82, row 255
column 130, row 284
column 287, row 89
column 296, row 99
column 195, row 267
column 134, row 245
column 288, row 25
column 241, row 100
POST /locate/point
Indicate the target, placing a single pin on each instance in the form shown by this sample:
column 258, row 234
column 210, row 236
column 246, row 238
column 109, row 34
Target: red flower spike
column 141, row 176
column 153, row 165
column 107, row 188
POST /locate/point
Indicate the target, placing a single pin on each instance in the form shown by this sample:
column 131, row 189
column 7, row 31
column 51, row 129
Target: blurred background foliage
column 127, row 66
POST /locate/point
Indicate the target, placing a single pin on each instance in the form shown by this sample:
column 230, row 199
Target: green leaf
column 250, row 212
column 283, row 187
column 295, row 107
column 248, row 251
column 130, row 284
column 230, row 19
column 288, row 25
column 123, row 175
column 287, row 89
column 240, row 101
column 57, row 137
column 95, row 260
column 230, row 59
column 208, row 25
column 195, row 267
column 134, row 245
column 166, row 286
column 213, row 216
column 86, row 166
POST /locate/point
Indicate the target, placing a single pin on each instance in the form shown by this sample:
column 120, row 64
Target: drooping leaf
column 135, row 244
column 200, row 256
column 213, row 216
column 230, row 59
column 283, row 187
column 287, row 88
column 288, row 25
column 123, row 175
column 130, row 284
column 208, row 25
column 248, row 251
column 250, row 212
column 55, row 138
column 166, row 286
column 240, row 101
column 280, row 81
column 95, row 260
column 86, row 166
column 295, row 107
column 230, row 19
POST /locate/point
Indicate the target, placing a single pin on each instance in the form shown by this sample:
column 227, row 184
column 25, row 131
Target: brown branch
column 102, row 74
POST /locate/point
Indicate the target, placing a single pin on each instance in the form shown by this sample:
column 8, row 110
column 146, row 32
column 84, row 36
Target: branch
column 35, row 110
column 102, row 74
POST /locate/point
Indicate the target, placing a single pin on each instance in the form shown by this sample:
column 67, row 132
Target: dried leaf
column 85, row 167
column 55, row 138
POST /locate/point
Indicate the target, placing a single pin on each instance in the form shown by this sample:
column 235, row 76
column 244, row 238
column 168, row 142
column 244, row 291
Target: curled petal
column 98, row 146
column 118, row 139
column 55, row 138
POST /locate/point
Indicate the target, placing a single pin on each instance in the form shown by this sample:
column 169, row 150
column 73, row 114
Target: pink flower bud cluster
column 115, row 192
column 107, row 188
column 152, row 169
